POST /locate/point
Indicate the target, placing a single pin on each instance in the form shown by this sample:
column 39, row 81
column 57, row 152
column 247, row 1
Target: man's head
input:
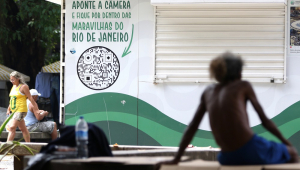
column 226, row 67
column 35, row 94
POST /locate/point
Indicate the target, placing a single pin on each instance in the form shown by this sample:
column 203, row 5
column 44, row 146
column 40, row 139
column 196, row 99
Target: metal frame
column 62, row 63
column 286, row 41
column 154, row 45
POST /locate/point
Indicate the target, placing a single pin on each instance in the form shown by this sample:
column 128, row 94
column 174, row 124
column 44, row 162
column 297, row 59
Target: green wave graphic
column 111, row 102
column 288, row 129
column 103, row 116
column 124, row 134
column 170, row 137
column 289, row 114
column 165, row 130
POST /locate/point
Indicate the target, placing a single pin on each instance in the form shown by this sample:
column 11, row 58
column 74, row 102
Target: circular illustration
column 98, row 68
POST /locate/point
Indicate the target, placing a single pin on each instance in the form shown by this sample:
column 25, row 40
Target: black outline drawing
column 81, row 56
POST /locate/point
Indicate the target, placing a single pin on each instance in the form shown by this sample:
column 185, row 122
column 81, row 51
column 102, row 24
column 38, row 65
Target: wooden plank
column 33, row 135
column 246, row 167
column 295, row 166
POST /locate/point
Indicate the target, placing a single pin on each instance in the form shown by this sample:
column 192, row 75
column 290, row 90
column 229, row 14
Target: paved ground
column 2, row 114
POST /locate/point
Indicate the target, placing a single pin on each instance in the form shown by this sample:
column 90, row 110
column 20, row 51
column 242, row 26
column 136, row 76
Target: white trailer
column 136, row 68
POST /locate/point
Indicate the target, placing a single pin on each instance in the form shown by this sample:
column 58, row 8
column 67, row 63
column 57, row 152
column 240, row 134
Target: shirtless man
column 226, row 103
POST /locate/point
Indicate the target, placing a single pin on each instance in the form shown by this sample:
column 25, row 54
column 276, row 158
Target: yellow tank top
column 17, row 100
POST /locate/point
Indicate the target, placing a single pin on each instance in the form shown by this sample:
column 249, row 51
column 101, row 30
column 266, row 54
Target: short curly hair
column 226, row 67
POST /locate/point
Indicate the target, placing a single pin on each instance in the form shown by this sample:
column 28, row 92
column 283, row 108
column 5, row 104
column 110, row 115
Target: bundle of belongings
column 97, row 146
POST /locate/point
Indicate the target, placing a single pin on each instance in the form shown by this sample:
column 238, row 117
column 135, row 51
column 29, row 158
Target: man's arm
column 40, row 114
column 25, row 89
column 266, row 122
column 190, row 131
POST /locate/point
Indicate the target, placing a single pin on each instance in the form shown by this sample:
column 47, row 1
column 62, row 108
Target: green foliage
column 41, row 16
column 29, row 33
column 6, row 148
column 2, row 127
column 49, row 59
column 38, row 21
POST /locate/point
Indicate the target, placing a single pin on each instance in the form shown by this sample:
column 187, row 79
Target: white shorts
column 19, row 116
column 47, row 127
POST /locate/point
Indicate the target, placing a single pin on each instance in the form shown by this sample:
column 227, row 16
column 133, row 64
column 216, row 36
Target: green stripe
column 289, row 114
column 102, row 116
column 159, row 126
column 169, row 137
column 103, row 102
column 149, row 112
column 111, row 102
column 123, row 134
column 151, row 128
column 288, row 129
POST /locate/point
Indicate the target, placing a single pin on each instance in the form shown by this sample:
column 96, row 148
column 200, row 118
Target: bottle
column 81, row 130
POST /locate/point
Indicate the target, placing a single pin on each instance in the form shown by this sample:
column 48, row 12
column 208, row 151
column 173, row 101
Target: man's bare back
column 226, row 105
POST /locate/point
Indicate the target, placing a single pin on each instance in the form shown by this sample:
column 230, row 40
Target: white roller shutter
column 189, row 36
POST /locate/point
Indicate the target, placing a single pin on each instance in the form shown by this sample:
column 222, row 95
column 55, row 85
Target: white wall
column 215, row 1
column 179, row 101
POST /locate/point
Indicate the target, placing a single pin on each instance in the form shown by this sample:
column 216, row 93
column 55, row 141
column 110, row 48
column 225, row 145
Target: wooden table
column 109, row 163
column 214, row 165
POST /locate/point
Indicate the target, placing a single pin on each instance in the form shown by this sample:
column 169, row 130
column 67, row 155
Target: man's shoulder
column 30, row 106
column 210, row 87
column 28, row 102
column 238, row 83
column 208, row 90
column 245, row 83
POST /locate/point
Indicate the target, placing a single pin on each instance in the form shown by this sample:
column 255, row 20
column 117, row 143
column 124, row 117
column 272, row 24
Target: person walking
column 17, row 104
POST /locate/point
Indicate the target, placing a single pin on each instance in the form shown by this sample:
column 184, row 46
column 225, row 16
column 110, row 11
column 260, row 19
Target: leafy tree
column 29, row 33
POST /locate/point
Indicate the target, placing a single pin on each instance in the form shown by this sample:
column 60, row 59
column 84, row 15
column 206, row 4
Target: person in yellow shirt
column 17, row 104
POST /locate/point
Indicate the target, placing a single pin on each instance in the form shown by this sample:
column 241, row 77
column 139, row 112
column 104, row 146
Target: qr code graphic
column 98, row 68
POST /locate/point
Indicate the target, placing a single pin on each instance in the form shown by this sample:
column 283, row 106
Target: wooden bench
column 131, row 152
column 21, row 152
column 108, row 163
column 150, row 163
column 34, row 136
column 144, row 158
column 214, row 165
column 204, row 153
